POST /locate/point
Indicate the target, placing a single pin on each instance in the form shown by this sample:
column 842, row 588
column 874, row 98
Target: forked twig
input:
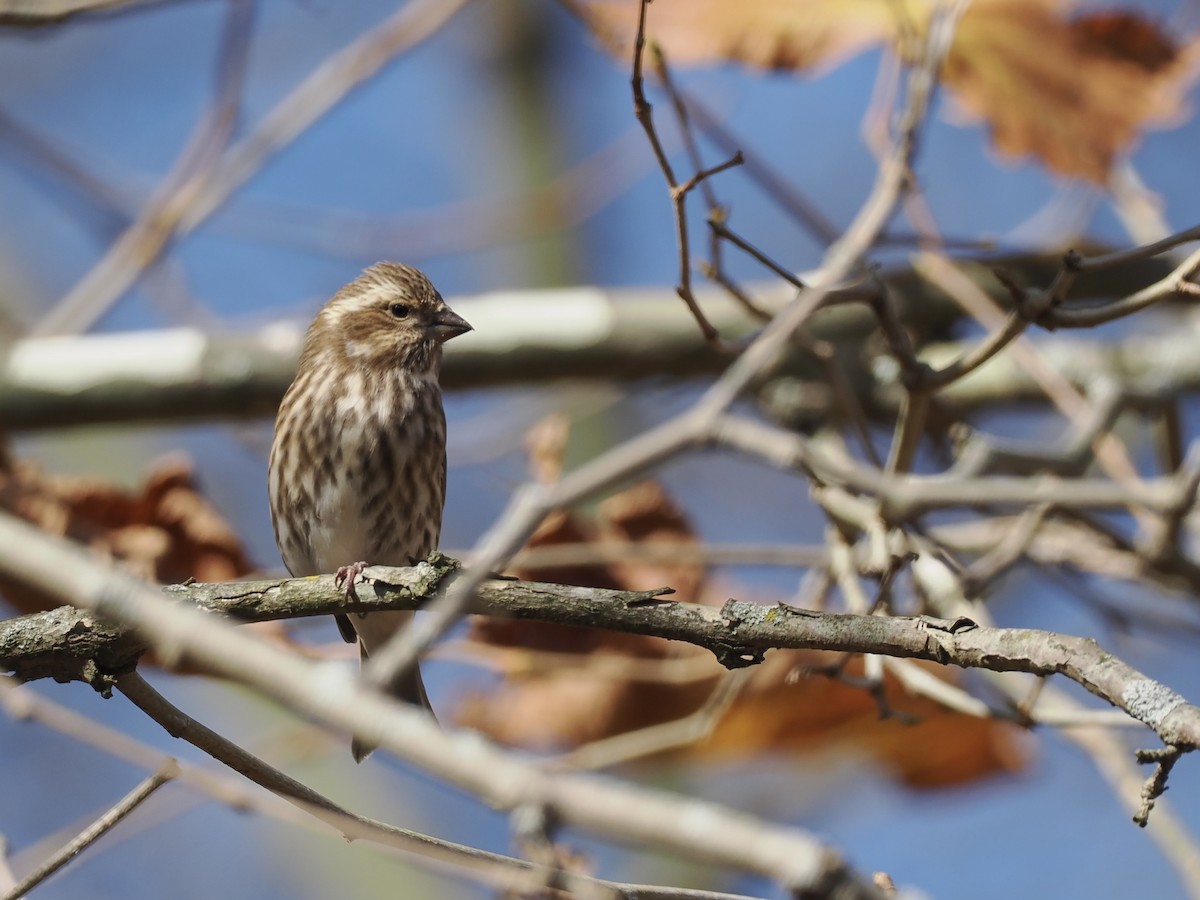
column 644, row 113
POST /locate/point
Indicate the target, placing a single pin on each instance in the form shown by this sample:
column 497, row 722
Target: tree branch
column 69, row 644
column 309, row 809
column 616, row 810
column 184, row 374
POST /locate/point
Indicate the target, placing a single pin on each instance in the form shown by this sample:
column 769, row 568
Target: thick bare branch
column 186, row 375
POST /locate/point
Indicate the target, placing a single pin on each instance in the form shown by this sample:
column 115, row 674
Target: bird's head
column 389, row 316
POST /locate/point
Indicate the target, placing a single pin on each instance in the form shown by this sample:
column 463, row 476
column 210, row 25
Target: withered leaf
column 166, row 531
column 562, row 687
column 1072, row 91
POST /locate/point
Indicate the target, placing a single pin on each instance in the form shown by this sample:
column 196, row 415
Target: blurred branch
column 146, row 237
column 946, row 595
column 107, row 207
column 1109, row 452
column 738, row 634
column 186, row 375
column 643, row 742
column 907, row 496
column 307, row 807
column 567, row 199
column 553, row 556
column 7, row 879
column 324, row 693
column 480, row 221
column 207, row 174
column 491, row 869
column 22, row 703
column 51, row 12
column 181, row 375
column 321, row 91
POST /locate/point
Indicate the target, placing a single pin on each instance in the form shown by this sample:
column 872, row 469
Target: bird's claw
column 347, row 575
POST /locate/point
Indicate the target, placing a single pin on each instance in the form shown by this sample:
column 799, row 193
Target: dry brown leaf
column 777, row 714
column 546, row 445
column 645, row 514
column 165, row 532
column 564, row 686
column 564, row 706
column 1074, row 92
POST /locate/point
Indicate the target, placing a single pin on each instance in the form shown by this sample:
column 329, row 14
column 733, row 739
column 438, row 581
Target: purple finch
column 358, row 464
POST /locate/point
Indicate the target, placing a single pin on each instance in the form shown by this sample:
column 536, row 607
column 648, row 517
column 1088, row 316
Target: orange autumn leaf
column 923, row 745
column 1071, row 91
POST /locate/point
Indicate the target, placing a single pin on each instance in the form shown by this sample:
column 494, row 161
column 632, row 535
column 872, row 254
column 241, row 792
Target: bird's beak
column 447, row 324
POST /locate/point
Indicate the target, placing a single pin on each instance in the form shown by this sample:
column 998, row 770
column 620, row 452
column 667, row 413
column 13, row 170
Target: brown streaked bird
column 357, row 473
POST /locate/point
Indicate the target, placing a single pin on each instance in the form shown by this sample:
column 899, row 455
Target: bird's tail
column 374, row 631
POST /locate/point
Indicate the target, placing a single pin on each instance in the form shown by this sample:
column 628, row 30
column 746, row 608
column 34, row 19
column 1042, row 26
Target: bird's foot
column 347, row 575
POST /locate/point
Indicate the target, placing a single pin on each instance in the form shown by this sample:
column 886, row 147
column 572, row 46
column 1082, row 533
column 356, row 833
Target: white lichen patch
column 1150, row 701
column 754, row 613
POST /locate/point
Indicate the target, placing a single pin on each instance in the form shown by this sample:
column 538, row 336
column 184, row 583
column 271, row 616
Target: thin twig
column 148, row 235
column 1086, row 317
column 690, row 729
column 713, row 269
column 96, row 830
column 720, row 227
column 490, row 869
column 1120, row 257
column 644, row 113
column 1164, row 760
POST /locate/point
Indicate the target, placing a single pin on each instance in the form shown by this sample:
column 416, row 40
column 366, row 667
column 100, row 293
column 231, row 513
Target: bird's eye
column 399, row 310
